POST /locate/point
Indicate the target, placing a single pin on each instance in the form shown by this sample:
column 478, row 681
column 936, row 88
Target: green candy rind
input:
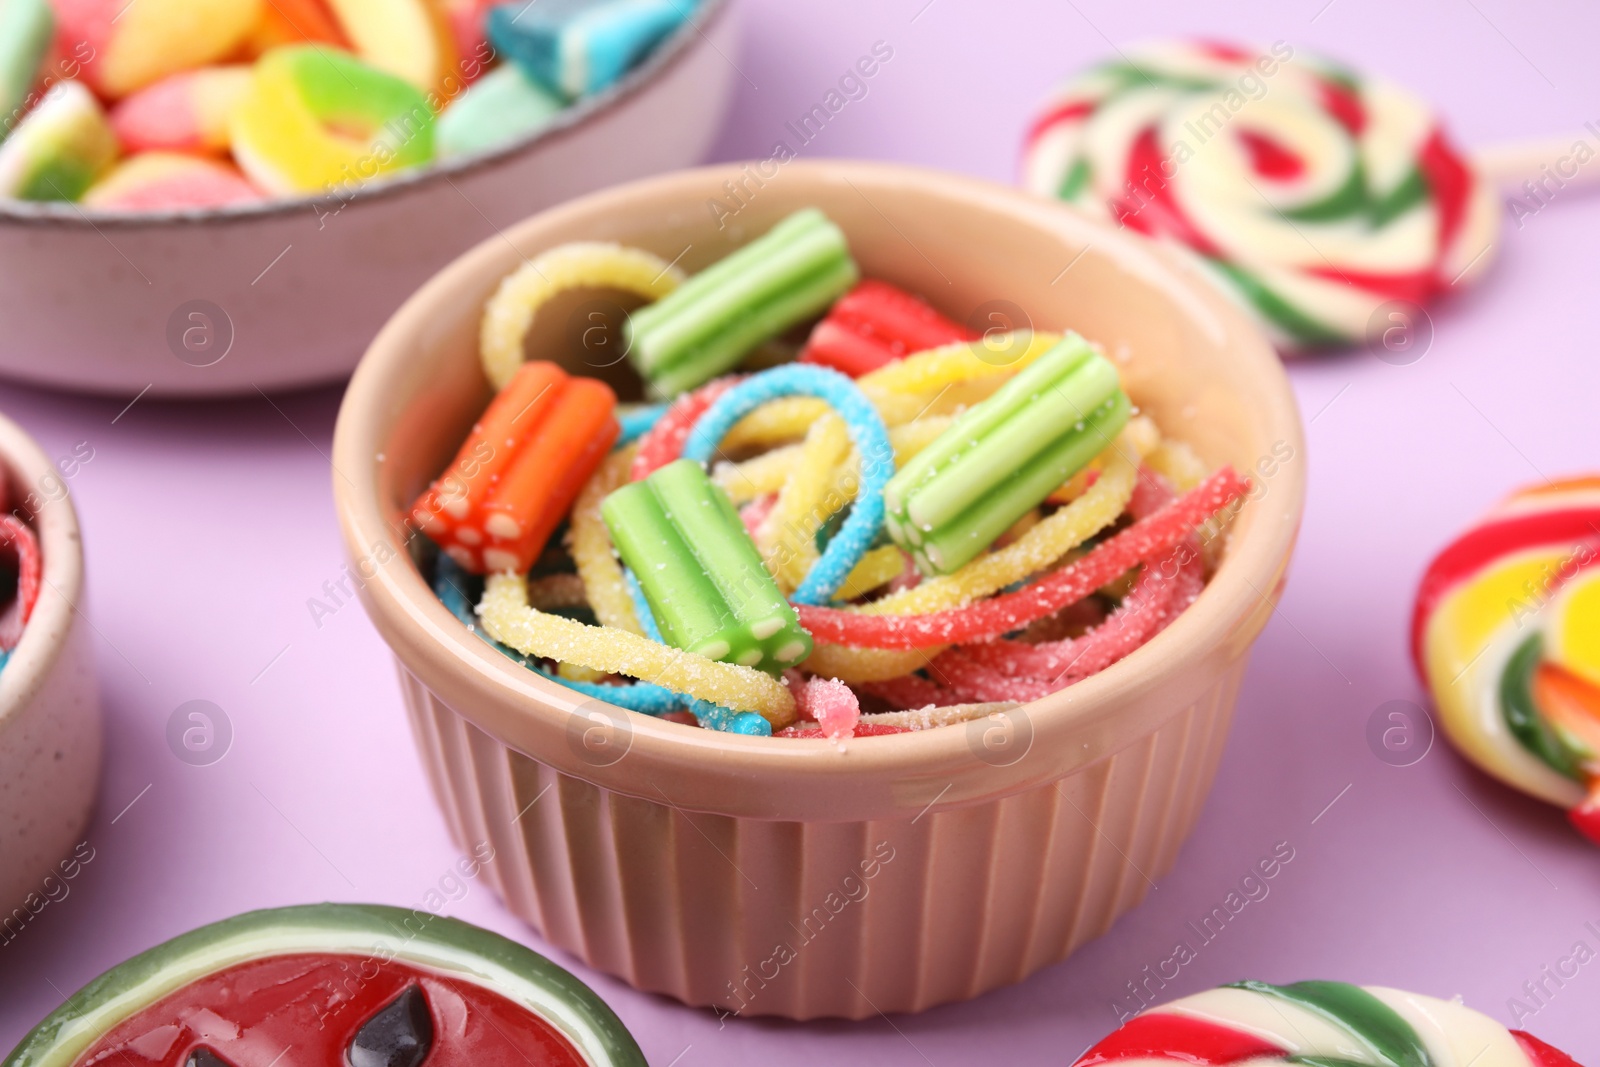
column 366, row 930
column 705, row 582
column 59, row 148
column 342, row 88
column 710, row 322
column 1005, row 455
column 1359, row 1012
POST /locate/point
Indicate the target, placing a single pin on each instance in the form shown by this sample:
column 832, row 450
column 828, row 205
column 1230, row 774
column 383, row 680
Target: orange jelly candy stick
column 520, row 469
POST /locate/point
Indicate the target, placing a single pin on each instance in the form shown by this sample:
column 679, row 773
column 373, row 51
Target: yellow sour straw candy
column 578, row 265
column 508, row 619
column 590, row 544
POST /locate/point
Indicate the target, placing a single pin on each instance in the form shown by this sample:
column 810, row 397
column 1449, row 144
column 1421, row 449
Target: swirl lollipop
column 1317, row 194
column 1506, row 634
column 1319, row 1023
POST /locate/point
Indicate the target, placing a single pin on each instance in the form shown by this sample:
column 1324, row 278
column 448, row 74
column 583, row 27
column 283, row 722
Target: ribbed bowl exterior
column 756, row 917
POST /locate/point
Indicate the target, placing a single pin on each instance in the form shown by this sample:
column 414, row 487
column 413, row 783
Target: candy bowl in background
column 803, row 878
column 50, row 735
column 284, row 293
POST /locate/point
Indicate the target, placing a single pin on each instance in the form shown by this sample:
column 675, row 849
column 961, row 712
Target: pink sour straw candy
column 664, row 443
column 1022, row 671
column 1145, row 539
column 755, row 513
column 831, row 704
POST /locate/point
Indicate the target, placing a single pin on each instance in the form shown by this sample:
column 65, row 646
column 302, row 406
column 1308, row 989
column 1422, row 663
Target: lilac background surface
column 209, row 526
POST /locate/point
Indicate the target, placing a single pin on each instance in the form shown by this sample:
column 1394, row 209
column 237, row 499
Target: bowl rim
column 25, row 466
column 671, row 51
column 418, row 628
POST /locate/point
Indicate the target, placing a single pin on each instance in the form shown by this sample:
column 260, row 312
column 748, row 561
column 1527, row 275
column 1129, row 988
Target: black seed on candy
column 399, row 1035
column 204, row 1057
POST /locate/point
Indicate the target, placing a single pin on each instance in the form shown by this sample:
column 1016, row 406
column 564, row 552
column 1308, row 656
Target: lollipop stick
column 1551, row 164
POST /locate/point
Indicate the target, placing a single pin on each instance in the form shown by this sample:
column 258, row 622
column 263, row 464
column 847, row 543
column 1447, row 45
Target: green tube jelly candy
column 706, row 584
column 1004, row 456
column 710, row 322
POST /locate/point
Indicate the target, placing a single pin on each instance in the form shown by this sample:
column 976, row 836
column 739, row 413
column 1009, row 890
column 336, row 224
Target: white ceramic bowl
column 49, row 701
column 288, row 293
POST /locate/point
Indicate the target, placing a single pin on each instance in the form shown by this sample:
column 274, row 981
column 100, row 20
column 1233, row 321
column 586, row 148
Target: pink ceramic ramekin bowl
column 793, row 877
column 287, row 293
column 50, row 733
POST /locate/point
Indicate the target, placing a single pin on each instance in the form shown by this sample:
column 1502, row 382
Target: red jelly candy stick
column 664, row 443
column 1145, row 539
column 18, row 538
column 520, row 469
column 875, row 324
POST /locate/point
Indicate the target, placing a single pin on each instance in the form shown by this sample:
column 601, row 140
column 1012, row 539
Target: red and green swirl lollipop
column 1318, row 195
column 1326, row 1023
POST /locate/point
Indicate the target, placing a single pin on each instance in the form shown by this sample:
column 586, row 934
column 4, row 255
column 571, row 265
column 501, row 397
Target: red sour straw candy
column 18, row 539
column 1143, row 540
column 1162, row 590
column 520, row 469
column 875, row 324
column 664, row 443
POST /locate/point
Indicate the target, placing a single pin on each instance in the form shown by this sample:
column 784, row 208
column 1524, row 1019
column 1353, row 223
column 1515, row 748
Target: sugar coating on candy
column 867, row 433
column 716, row 318
column 59, row 148
column 1503, row 635
column 186, row 112
column 831, row 704
column 165, row 181
column 1044, row 544
column 1316, row 1021
column 590, row 544
column 509, row 315
column 508, row 619
column 26, row 29
column 1010, row 611
column 875, row 324
column 1317, row 199
column 578, row 47
column 502, row 106
column 664, row 443
column 1005, row 456
column 450, row 585
column 931, row 715
column 129, row 46
column 19, row 541
column 706, row 585
column 282, row 134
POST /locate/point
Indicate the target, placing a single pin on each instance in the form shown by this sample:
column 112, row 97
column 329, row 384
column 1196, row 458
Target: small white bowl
column 49, row 701
column 288, row 293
